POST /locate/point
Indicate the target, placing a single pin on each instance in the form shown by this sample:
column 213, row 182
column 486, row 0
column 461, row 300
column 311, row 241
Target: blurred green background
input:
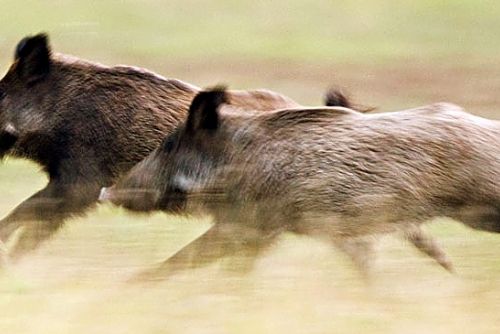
column 387, row 54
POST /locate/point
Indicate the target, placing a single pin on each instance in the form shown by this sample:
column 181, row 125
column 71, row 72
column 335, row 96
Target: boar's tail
column 335, row 97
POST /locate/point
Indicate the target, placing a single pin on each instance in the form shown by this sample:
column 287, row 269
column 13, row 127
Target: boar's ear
column 33, row 58
column 203, row 112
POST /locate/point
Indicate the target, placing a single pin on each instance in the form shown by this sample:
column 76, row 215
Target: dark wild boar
column 331, row 173
column 86, row 124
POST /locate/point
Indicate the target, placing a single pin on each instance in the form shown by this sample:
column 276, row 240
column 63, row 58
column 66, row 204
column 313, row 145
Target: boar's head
column 23, row 91
column 183, row 168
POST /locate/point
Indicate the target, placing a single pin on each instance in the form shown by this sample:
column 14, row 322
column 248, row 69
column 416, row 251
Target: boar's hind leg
column 427, row 245
column 219, row 241
column 43, row 214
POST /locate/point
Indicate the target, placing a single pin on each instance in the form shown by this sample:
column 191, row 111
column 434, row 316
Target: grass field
column 390, row 54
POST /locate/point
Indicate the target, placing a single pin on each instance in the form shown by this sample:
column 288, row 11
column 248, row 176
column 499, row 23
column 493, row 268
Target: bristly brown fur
column 86, row 124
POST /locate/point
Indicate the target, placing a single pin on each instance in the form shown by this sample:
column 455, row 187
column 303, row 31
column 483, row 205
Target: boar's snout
column 11, row 129
column 106, row 194
column 132, row 199
column 8, row 138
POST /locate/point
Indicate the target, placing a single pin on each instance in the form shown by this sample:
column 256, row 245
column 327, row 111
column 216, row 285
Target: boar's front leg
column 220, row 241
column 30, row 209
column 43, row 214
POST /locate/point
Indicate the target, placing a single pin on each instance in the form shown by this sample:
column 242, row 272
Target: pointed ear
column 33, row 58
column 203, row 112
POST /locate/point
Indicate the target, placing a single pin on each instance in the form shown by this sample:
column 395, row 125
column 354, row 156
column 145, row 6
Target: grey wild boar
column 86, row 124
column 331, row 173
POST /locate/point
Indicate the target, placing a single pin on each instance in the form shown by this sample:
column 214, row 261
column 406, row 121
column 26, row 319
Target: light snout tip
column 105, row 194
column 11, row 129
